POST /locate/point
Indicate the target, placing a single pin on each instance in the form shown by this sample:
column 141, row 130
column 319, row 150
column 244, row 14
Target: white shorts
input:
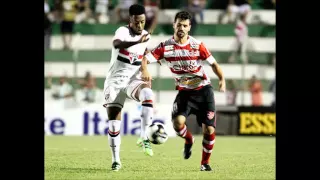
column 115, row 96
column 240, row 9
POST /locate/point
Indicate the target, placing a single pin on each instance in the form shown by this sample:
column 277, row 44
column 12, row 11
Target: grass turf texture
column 89, row 157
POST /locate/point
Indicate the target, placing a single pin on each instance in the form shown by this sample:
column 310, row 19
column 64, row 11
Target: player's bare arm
column 144, row 70
column 218, row 71
column 118, row 44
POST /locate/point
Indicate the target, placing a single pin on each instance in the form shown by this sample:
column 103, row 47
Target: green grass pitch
column 89, row 157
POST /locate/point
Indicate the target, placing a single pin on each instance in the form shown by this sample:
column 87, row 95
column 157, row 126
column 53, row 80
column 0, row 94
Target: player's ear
column 173, row 24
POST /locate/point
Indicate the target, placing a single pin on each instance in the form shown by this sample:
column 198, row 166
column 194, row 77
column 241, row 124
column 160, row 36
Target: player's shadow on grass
column 76, row 170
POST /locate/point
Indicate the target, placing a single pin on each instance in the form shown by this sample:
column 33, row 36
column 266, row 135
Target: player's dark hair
column 183, row 15
column 136, row 9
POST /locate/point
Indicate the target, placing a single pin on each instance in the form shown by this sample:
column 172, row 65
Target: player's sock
column 207, row 143
column 146, row 97
column 114, row 139
column 184, row 133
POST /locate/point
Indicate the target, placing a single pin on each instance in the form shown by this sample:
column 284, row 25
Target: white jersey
column 125, row 63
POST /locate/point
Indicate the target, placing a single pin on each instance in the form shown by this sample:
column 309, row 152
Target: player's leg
column 207, row 118
column 180, row 112
column 114, row 116
column 140, row 91
column 207, row 145
column 146, row 97
column 243, row 50
column 114, row 103
column 235, row 52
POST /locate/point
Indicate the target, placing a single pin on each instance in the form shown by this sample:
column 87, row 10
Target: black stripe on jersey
column 122, row 59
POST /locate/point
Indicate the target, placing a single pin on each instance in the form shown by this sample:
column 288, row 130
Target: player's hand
column 144, row 38
column 222, row 85
column 146, row 52
column 146, row 76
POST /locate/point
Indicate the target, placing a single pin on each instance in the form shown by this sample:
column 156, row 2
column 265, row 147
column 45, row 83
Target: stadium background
column 91, row 52
column 75, row 128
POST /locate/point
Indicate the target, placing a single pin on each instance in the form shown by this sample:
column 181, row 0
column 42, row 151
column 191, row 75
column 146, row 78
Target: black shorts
column 200, row 103
column 66, row 27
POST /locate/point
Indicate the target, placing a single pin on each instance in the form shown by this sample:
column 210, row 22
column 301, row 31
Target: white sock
column 146, row 97
column 146, row 120
column 114, row 139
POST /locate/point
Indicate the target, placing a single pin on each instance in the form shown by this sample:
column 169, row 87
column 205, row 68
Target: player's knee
column 179, row 122
column 207, row 129
column 114, row 113
column 146, row 94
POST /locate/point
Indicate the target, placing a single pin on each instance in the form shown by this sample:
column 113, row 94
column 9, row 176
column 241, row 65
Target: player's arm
column 119, row 41
column 145, row 76
column 154, row 56
column 218, row 71
column 205, row 54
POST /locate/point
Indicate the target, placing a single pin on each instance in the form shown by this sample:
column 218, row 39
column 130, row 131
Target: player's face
column 181, row 27
column 137, row 23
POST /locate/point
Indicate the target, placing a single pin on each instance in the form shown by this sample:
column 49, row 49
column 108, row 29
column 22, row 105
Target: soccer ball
column 156, row 133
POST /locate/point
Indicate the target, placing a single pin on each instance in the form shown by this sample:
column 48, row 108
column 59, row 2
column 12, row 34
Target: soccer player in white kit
column 123, row 81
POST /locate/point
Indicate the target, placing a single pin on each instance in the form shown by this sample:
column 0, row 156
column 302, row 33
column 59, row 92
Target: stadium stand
column 92, row 48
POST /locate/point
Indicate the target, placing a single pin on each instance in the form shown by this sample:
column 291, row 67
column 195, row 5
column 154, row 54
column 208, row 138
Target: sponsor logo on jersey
column 186, row 66
column 181, row 53
column 190, row 82
column 169, row 48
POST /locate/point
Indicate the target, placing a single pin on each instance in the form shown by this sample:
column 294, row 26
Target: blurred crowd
column 64, row 88
column 69, row 12
column 254, row 87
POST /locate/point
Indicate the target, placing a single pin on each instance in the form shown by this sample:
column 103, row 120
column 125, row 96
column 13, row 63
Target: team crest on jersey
column 133, row 57
column 194, row 46
column 169, row 48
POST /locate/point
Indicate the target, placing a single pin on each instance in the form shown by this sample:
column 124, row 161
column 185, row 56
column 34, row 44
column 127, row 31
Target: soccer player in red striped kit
column 184, row 56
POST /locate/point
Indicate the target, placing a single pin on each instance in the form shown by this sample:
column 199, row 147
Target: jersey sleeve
column 205, row 54
column 156, row 54
column 120, row 33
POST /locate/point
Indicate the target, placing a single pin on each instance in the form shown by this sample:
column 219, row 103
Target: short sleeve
column 120, row 33
column 205, row 54
column 156, row 54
